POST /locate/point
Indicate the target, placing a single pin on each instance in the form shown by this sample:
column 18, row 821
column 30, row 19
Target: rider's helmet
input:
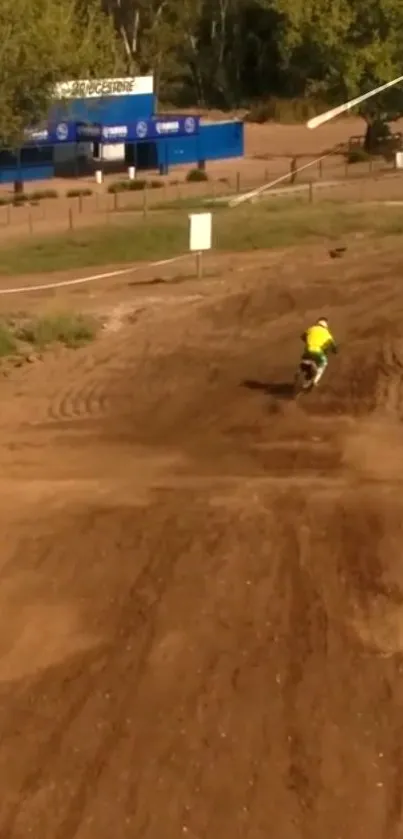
column 323, row 322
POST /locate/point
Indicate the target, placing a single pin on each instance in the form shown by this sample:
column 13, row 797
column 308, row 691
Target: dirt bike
column 305, row 375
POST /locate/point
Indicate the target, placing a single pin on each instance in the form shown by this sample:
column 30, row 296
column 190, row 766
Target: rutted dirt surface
column 201, row 579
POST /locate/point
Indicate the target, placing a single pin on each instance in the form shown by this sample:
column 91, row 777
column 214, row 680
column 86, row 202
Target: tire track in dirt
column 127, row 676
column 82, row 394
column 319, row 652
column 87, row 393
column 205, row 698
column 374, row 448
column 366, row 527
column 390, row 392
column 89, row 401
column 394, row 805
column 306, row 637
column 134, row 623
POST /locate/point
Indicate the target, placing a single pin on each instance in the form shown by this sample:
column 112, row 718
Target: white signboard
column 114, row 152
column 96, row 88
column 90, row 132
column 167, row 127
column 200, row 232
column 39, row 135
column 115, row 132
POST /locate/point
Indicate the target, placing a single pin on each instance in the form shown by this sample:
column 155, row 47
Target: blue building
column 113, row 122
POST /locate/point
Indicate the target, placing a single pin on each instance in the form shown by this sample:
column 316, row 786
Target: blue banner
column 141, row 129
column 169, row 126
column 52, row 135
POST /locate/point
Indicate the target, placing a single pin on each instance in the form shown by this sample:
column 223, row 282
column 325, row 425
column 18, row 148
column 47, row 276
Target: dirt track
column 201, row 581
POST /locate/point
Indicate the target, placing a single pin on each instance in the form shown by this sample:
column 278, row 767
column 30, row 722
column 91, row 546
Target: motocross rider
column 318, row 341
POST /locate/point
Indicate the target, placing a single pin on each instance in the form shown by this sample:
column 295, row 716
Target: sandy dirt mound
column 201, row 579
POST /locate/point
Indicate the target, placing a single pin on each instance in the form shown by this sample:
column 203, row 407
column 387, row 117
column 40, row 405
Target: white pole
column 315, row 122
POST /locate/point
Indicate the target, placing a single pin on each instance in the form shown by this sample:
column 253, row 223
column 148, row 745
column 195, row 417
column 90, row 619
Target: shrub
column 133, row 186
column 19, row 199
column 70, row 330
column 8, row 344
column 41, row 194
column 79, row 193
column 286, row 111
column 136, row 185
column 119, row 186
column 196, row 175
column 357, row 155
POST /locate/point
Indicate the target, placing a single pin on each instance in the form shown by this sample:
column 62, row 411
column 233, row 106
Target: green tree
column 210, row 54
column 340, row 48
column 337, row 49
column 230, row 50
column 151, row 33
column 43, row 42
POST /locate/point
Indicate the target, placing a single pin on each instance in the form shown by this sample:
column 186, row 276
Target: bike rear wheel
column 303, row 381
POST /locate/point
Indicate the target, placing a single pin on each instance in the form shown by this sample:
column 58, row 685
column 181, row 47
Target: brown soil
column 201, row 579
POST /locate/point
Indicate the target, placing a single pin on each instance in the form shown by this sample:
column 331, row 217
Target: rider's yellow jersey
column 318, row 338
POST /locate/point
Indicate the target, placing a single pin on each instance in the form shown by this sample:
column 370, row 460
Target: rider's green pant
column 319, row 357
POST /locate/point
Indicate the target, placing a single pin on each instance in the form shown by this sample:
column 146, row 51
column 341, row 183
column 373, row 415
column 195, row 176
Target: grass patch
column 195, row 203
column 90, row 247
column 268, row 224
column 8, row 342
column 279, row 224
column 24, row 339
column 69, row 330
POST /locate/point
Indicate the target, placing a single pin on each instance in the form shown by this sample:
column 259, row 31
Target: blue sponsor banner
column 52, row 135
column 165, row 126
column 141, row 129
column 88, row 132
